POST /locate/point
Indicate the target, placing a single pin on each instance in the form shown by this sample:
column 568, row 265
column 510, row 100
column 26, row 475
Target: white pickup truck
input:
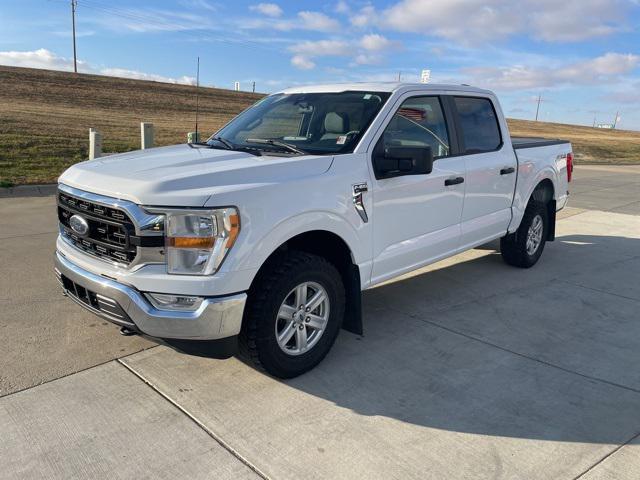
column 260, row 240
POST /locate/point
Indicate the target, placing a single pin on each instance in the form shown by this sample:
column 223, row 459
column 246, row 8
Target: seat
column 335, row 124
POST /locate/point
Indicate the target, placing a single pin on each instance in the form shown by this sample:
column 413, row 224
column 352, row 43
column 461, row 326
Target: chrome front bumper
column 216, row 318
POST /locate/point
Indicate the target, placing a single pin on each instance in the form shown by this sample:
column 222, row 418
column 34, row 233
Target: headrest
column 334, row 123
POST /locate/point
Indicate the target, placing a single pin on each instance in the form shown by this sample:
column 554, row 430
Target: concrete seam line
column 202, row 426
column 600, row 291
column 28, row 235
column 513, row 352
column 612, row 452
column 73, row 373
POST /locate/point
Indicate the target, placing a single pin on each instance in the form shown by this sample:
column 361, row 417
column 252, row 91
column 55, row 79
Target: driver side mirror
column 394, row 161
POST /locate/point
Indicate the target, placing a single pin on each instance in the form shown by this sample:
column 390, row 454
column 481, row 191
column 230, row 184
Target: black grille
column 110, row 230
column 107, row 307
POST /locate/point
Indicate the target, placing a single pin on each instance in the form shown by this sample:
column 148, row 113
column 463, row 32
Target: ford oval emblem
column 79, row 225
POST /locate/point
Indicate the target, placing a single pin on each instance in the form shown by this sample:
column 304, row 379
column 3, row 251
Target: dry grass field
column 45, row 118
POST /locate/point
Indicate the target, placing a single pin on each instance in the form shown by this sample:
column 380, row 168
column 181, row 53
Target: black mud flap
column 353, row 310
column 551, row 215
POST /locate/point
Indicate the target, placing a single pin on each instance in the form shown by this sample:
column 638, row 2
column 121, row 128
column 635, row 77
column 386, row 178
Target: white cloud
column 367, row 16
column 305, row 20
column 608, row 68
column 342, row 7
column 471, row 21
column 461, row 20
column 317, row 21
column 367, row 59
column 375, row 42
column 268, row 9
column 124, row 73
column 45, row 59
column 368, row 50
column 41, row 58
column 302, row 62
column 321, row 48
column 306, row 51
column 575, row 20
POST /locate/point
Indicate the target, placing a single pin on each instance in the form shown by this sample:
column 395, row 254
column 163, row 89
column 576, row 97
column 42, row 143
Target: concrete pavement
column 468, row 369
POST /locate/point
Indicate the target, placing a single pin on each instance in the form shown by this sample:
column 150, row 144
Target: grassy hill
column 45, row 118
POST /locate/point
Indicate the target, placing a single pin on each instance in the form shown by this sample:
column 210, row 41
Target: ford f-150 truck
column 261, row 239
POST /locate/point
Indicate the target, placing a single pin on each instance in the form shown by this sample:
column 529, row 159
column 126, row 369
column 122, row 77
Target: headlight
column 197, row 241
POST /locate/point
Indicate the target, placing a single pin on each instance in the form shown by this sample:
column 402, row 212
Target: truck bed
column 532, row 142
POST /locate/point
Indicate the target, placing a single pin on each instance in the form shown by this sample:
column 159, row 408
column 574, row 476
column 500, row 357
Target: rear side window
column 479, row 124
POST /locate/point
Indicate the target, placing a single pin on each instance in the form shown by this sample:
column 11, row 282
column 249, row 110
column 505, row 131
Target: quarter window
column 479, row 124
column 419, row 122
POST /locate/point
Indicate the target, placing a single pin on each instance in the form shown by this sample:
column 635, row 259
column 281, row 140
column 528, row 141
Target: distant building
column 605, row 125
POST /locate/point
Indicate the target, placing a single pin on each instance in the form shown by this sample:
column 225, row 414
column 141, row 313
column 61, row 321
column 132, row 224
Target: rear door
column 490, row 165
column 416, row 218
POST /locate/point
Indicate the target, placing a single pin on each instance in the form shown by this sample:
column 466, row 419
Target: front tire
column 524, row 247
column 293, row 315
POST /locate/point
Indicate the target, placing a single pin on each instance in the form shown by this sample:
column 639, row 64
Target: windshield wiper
column 277, row 143
column 227, row 145
column 225, row 142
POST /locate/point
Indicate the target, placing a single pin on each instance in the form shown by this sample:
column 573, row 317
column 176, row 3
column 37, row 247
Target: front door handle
column 507, row 170
column 453, row 181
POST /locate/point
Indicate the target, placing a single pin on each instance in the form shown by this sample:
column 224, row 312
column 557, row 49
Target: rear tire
column 523, row 247
column 277, row 335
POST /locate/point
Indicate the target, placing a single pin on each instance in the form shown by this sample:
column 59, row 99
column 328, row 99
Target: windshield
column 314, row 123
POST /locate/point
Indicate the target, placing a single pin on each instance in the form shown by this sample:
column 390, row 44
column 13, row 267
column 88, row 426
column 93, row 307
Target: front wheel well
column 335, row 250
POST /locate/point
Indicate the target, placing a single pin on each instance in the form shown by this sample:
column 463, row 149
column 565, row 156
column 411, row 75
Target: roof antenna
column 197, row 99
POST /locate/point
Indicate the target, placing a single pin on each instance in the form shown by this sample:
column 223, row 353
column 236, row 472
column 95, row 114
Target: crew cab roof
column 381, row 87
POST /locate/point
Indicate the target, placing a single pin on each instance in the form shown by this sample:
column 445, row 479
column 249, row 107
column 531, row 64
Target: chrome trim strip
column 217, row 317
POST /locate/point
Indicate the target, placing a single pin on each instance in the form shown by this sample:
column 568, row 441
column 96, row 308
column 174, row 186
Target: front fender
column 307, row 222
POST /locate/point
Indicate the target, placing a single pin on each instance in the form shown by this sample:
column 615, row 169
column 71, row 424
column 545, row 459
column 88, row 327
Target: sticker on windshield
column 341, row 140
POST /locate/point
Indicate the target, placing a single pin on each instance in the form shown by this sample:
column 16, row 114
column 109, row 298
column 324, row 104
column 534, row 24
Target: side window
column 479, row 124
column 419, row 122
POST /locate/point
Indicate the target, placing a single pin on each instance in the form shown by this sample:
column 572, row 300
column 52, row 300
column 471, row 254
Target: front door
column 416, row 218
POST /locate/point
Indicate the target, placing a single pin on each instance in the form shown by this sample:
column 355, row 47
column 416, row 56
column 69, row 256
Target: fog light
column 163, row 301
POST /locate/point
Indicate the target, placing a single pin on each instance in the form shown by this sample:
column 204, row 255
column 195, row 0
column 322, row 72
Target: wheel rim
column 534, row 235
column 302, row 318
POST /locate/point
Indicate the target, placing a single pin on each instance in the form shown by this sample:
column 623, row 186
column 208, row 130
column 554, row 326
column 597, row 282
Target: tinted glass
column 419, row 122
column 479, row 124
column 314, row 122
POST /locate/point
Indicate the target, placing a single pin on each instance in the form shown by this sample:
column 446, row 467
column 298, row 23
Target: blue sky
column 582, row 56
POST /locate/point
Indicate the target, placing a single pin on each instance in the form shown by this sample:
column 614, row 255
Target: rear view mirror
column 393, row 161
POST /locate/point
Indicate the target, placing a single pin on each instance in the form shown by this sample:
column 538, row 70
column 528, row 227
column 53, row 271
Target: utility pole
column 538, row 107
column 254, row 87
column 74, row 5
column 615, row 120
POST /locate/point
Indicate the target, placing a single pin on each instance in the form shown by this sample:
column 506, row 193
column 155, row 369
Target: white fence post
column 95, row 144
column 146, row 135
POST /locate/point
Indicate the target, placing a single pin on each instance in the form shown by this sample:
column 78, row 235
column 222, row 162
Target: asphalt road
column 468, row 369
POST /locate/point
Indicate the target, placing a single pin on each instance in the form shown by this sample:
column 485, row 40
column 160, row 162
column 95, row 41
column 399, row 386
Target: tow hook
column 127, row 332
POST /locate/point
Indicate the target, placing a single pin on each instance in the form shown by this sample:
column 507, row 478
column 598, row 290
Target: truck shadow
column 480, row 347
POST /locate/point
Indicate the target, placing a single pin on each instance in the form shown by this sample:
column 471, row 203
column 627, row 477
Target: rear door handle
column 507, row 170
column 453, row 181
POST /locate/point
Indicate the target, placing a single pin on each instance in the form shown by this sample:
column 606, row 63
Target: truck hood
column 182, row 175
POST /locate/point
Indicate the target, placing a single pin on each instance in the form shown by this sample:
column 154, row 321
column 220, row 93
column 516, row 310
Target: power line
column 136, row 19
